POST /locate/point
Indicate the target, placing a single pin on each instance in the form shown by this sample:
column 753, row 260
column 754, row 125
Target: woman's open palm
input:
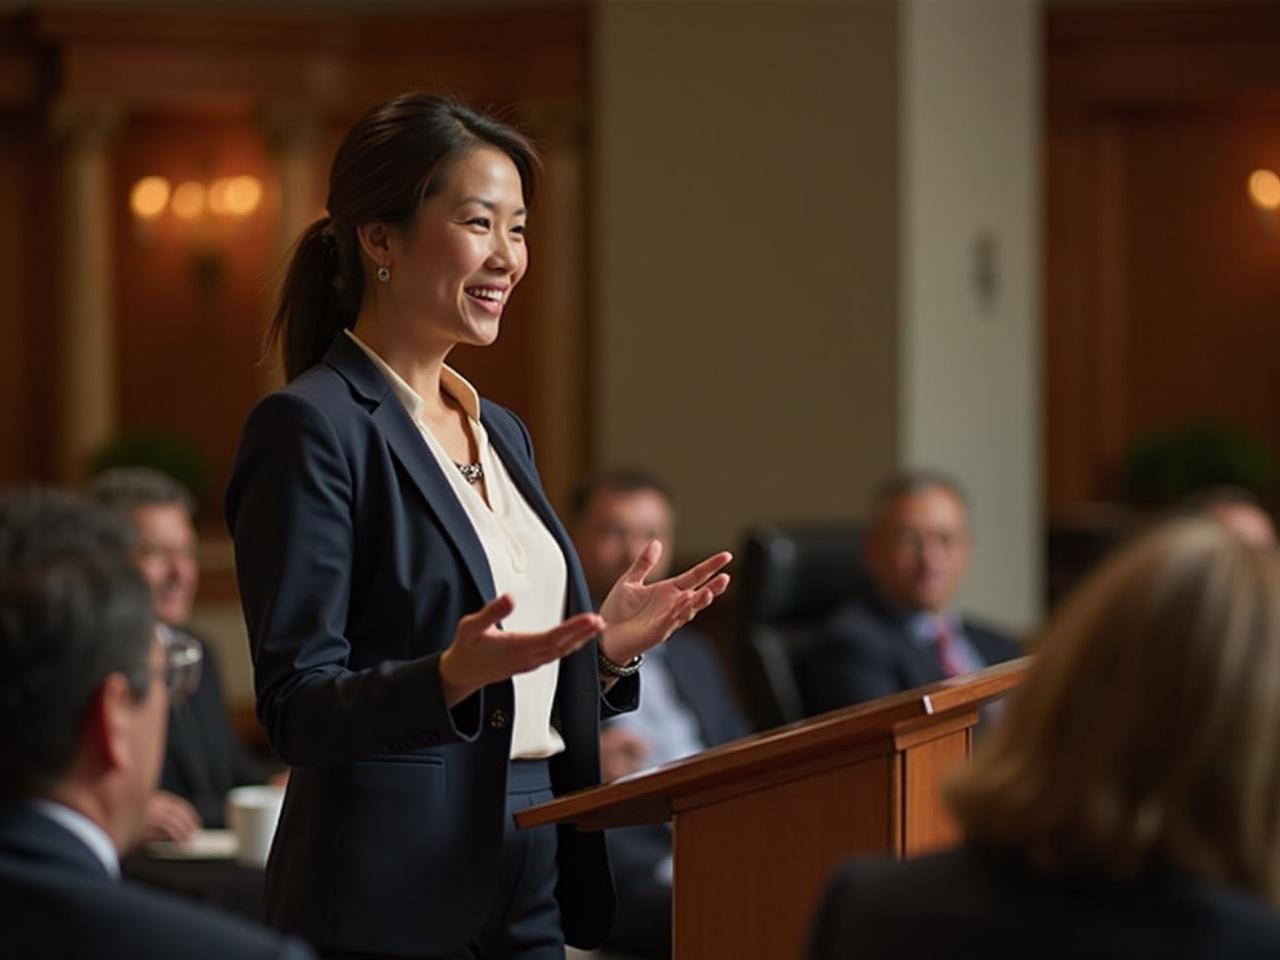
column 640, row 615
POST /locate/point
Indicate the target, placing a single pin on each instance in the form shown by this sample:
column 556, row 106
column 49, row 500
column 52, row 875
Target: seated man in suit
column 204, row 758
column 84, row 698
column 686, row 706
column 907, row 633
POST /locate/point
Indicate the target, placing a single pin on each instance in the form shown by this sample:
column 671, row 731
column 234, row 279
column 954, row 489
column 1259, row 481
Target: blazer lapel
column 411, row 450
column 918, row 666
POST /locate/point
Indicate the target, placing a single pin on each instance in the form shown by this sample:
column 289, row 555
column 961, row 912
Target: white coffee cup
column 252, row 813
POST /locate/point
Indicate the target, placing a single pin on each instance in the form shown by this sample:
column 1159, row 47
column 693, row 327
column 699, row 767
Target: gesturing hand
column 641, row 615
column 622, row 751
column 168, row 816
column 481, row 653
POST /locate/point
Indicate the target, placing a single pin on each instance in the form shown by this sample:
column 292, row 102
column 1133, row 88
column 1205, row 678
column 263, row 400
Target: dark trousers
column 524, row 919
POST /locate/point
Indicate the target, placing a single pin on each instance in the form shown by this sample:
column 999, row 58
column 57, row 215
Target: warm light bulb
column 148, row 197
column 188, row 200
column 244, row 193
column 218, row 196
column 1264, row 190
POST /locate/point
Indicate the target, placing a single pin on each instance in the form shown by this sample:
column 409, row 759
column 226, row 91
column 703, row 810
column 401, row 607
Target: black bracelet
column 630, row 668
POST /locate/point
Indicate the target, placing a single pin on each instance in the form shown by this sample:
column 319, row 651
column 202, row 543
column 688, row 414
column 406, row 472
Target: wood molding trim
column 229, row 59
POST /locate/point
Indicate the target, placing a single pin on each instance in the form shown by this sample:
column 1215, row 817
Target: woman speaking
column 425, row 654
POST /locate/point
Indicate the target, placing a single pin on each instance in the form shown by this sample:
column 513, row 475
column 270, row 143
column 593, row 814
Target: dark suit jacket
column 700, row 683
column 203, row 757
column 865, row 651
column 644, row 905
column 356, row 561
column 974, row 904
column 57, row 902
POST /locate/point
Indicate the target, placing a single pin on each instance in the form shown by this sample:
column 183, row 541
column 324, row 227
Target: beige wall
column 786, row 200
column 745, row 291
column 970, row 400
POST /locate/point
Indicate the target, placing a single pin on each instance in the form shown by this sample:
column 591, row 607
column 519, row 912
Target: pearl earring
column 384, row 274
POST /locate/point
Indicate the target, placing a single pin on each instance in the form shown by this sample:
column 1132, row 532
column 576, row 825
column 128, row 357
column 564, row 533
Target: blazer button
column 498, row 719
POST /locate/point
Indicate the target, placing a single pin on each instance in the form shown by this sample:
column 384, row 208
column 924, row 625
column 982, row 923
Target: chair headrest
column 801, row 572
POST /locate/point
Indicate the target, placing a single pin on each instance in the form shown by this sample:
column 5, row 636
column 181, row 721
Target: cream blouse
column 524, row 559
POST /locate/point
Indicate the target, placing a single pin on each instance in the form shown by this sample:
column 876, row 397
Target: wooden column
column 87, row 336
column 562, row 391
column 292, row 133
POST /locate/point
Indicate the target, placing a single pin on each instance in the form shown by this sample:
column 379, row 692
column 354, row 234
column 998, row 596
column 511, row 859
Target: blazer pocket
column 393, row 826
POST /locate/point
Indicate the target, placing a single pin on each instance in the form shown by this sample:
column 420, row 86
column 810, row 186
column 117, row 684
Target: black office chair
column 792, row 579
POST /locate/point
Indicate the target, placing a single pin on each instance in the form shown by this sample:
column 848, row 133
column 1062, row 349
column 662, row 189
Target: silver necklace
column 471, row 472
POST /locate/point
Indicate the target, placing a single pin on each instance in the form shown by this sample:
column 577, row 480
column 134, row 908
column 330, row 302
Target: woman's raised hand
column 641, row 615
column 481, row 653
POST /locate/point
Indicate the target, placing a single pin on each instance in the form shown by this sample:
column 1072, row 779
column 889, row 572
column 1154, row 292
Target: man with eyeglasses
column 84, row 697
column 204, row 759
column 907, row 633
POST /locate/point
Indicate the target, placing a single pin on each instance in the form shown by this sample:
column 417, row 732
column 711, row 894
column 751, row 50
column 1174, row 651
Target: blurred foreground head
column 83, row 702
column 1147, row 732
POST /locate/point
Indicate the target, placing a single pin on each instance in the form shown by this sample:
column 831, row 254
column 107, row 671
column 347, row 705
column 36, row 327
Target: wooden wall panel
column 14, row 401
column 1161, row 279
column 30, row 276
column 1204, row 277
column 192, row 298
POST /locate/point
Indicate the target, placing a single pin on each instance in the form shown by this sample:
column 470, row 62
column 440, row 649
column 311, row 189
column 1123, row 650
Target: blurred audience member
column 686, row 706
column 203, row 758
column 83, row 701
column 1239, row 511
column 1129, row 804
column 907, row 634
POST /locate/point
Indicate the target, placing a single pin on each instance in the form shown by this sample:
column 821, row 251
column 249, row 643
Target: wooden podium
column 760, row 823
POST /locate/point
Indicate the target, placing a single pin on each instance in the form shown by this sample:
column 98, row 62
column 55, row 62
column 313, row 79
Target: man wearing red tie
column 906, row 632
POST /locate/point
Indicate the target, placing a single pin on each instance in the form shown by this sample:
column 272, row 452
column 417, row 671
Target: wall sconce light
column 1264, row 190
column 206, row 216
column 187, row 202
column 233, row 197
column 149, row 197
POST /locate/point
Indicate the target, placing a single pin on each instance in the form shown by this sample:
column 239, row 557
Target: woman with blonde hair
column 1129, row 803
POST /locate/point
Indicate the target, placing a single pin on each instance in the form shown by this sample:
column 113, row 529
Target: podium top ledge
column 652, row 795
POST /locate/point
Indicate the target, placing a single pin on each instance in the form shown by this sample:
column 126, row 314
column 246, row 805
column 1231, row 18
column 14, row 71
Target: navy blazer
column 975, row 904
column 865, row 651
column 58, row 902
column 355, row 562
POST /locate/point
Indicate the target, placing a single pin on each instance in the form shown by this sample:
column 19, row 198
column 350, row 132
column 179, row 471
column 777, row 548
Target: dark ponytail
column 389, row 162
column 311, row 310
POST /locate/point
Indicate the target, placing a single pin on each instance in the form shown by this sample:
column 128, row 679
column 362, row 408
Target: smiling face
column 454, row 267
column 166, row 555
